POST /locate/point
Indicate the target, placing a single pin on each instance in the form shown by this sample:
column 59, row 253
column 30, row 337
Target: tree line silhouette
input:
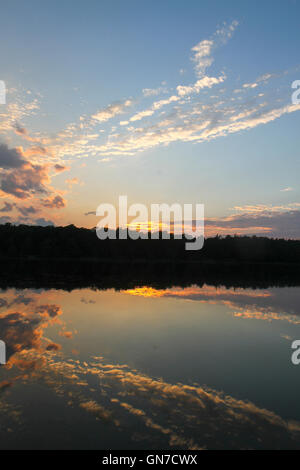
column 70, row 242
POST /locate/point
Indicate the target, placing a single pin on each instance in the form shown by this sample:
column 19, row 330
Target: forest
column 69, row 242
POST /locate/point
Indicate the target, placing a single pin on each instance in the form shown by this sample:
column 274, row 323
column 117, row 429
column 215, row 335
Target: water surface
column 149, row 368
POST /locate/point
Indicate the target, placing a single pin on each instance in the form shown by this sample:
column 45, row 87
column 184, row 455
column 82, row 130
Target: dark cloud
column 90, row 213
column 278, row 224
column 19, row 332
column 56, row 202
column 25, row 181
column 22, row 299
column 53, row 347
column 87, row 301
column 5, row 219
column 7, row 207
column 10, row 158
column 25, row 211
column 23, row 330
column 3, row 303
column 21, row 178
column 19, row 129
column 51, row 310
column 43, row 222
column 59, row 167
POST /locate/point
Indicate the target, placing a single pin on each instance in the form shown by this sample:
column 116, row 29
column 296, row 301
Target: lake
column 150, row 368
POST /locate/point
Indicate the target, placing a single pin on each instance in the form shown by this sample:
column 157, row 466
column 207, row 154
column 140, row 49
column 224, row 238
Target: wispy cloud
column 285, row 190
column 185, row 119
column 147, row 92
column 209, row 107
column 205, row 82
column 202, row 52
column 281, row 221
column 112, row 110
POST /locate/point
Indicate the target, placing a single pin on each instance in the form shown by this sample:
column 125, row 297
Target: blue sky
column 163, row 101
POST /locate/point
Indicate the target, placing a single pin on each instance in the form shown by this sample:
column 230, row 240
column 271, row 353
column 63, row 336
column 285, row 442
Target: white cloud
column 154, row 91
column 112, row 111
column 141, row 115
column 286, row 189
column 205, row 82
column 212, row 123
column 188, row 120
column 202, row 52
column 250, row 85
column 155, row 107
column 262, row 79
column 201, row 57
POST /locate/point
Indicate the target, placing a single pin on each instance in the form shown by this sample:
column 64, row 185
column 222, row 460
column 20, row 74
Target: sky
column 165, row 102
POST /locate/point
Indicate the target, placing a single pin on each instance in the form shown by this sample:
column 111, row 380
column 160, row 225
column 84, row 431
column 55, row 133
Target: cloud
column 70, row 143
column 282, row 222
column 8, row 207
column 155, row 107
column 53, row 347
column 112, row 111
column 189, row 119
column 265, row 209
column 93, row 407
column 36, row 150
column 202, row 52
column 5, row 219
column 66, row 334
column 24, row 330
column 21, row 299
column 205, row 82
column 265, row 305
column 286, row 189
column 43, row 222
column 182, row 415
column 87, row 301
column 71, row 181
column 10, row 158
column 22, row 179
column 25, row 211
column 14, row 111
column 141, row 115
column 262, row 79
column 192, row 121
column 159, row 104
column 211, row 123
column 57, row 202
column 59, row 168
column 20, row 331
column 250, row 85
column 201, row 56
column 51, row 310
column 167, row 414
column 20, row 130
column 25, row 181
column 154, row 91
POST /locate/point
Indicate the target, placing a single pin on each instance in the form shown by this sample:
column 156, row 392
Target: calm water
column 147, row 368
